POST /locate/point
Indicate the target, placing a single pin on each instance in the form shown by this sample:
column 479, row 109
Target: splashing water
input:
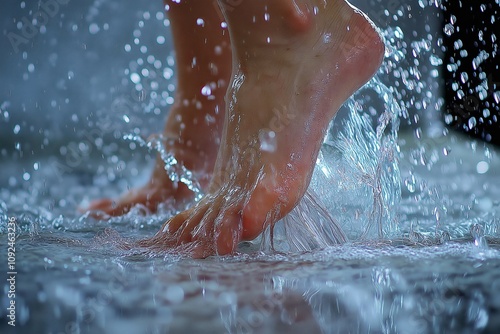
column 359, row 159
column 357, row 170
column 175, row 171
column 418, row 197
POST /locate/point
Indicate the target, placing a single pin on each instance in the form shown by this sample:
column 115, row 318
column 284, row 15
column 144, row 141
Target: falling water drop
column 135, row 78
column 449, row 29
column 464, row 77
column 472, row 122
column 206, row 90
column 496, row 96
column 480, row 35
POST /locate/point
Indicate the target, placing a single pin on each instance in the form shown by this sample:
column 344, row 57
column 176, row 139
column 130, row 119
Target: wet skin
column 294, row 64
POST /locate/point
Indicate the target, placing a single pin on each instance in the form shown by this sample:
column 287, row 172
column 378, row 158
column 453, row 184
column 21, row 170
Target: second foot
column 158, row 190
column 149, row 197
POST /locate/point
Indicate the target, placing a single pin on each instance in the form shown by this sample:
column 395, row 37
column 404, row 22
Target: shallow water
column 71, row 278
column 390, row 287
column 420, row 208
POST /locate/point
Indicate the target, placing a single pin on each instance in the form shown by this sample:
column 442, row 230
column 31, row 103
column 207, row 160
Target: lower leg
column 194, row 124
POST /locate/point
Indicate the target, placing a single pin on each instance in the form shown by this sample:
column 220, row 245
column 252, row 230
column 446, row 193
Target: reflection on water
column 413, row 216
column 390, row 287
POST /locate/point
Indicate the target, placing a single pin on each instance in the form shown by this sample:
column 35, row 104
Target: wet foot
column 195, row 121
column 295, row 63
column 194, row 145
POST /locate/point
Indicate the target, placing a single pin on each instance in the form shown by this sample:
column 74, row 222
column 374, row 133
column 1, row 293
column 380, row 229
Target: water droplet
column 482, row 167
column 135, row 78
column 93, row 28
column 160, row 39
column 464, row 77
column 327, row 38
column 206, row 90
column 418, row 133
column 435, row 60
column 449, row 29
column 174, row 294
column 200, row 22
column 267, row 140
column 482, row 56
column 496, row 96
column 472, row 122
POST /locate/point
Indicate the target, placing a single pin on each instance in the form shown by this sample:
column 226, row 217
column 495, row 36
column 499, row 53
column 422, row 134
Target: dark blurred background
column 71, row 75
column 472, row 68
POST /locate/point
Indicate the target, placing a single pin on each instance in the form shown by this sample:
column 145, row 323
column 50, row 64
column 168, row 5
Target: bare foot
column 194, row 146
column 157, row 190
column 203, row 54
column 295, row 63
